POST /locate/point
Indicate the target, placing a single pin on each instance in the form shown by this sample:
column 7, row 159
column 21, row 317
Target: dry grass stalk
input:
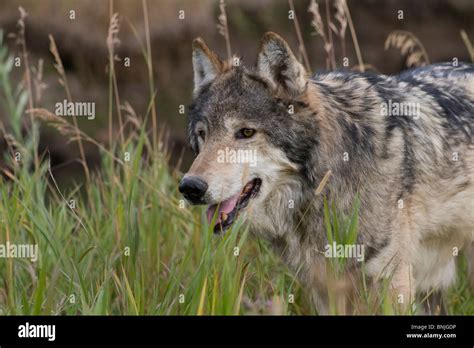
column 112, row 42
column 341, row 18
column 12, row 143
column 40, row 86
column 332, row 53
column 318, row 25
column 223, row 27
column 302, row 46
column 132, row 115
column 468, row 43
column 409, row 46
column 354, row 36
column 63, row 81
column 149, row 62
column 22, row 42
column 134, row 121
column 317, row 192
column 65, row 128
column 112, row 35
column 323, row 182
column 110, row 113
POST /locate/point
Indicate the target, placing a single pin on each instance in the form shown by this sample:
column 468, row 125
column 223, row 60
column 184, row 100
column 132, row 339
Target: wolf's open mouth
column 228, row 210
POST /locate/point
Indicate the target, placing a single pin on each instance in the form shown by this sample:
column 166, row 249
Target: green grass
column 128, row 248
column 124, row 243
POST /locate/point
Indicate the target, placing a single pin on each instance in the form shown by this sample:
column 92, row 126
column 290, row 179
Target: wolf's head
column 247, row 128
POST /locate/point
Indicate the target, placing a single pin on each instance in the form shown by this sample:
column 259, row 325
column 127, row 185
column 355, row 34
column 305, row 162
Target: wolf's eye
column 245, row 133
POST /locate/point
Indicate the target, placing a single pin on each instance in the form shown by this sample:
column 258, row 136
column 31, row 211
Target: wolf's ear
column 206, row 64
column 277, row 64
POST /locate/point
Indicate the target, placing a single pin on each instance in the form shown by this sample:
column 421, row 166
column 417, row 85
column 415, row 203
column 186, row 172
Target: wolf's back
column 450, row 87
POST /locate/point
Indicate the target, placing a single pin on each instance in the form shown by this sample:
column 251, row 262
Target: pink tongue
column 226, row 206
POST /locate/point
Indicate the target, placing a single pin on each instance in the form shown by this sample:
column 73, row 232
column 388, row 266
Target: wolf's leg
column 340, row 298
column 331, row 295
column 402, row 285
column 317, row 282
column 434, row 304
column 395, row 262
column 395, row 266
column 470, row 264
column 334, row 295
column 320, row 301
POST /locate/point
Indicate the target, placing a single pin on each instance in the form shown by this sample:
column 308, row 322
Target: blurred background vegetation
column 82, row 45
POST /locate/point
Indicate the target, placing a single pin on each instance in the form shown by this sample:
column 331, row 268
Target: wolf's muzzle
column 193, row 189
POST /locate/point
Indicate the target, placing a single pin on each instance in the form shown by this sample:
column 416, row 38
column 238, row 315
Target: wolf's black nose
column 193, row 188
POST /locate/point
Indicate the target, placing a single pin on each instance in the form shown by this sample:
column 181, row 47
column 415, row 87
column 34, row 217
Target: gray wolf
column 403, row 144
